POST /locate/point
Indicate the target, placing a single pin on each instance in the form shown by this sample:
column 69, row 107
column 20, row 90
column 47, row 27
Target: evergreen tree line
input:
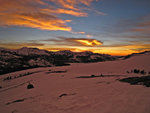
column 138, row 71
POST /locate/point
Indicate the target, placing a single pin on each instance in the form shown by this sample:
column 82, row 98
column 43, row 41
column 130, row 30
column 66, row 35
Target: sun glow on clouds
column 49, row 15
column 41, row 14
column 80, row 45
column 35, row 20
column 73, row 42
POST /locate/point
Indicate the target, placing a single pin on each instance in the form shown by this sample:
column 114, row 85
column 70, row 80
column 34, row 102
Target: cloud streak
column 80, row 45
column 72, row 4
column 35, row 20
column 139, row 26
column 142, row 27
column 16, row 45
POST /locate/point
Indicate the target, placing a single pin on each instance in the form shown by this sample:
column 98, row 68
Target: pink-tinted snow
column 80, row 95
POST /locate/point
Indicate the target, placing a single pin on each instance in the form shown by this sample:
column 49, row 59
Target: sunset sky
column 115, row 27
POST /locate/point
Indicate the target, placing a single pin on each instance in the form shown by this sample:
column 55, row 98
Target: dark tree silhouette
column 143, row 72
column 136, row 71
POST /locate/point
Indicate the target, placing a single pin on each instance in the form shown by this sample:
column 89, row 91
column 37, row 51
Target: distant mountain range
column 25, row 58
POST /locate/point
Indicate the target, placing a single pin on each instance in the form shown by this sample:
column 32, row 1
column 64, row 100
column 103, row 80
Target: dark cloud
column 14, row 45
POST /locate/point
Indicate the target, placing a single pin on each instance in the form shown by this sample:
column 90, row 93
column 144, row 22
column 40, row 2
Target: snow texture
column 62, row 90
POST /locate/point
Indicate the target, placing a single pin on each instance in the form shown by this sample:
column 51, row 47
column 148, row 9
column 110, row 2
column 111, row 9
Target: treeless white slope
column 64, row 93
column 113, row 67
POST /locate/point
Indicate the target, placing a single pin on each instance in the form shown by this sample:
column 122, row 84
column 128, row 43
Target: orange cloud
column 34, row 20
column 71, row 12
column 39, row 14
column 78, row 32
column 74, row 42
column 27, row 14
column 68, row 20
column 89, row 36
column 72, row 4
column 65, row 11
column 89, row 42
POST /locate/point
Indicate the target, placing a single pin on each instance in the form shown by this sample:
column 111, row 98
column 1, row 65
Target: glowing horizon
column 107, row 27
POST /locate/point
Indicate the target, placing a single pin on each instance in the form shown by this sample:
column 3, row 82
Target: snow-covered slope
column 136, row 54
column 68, row 90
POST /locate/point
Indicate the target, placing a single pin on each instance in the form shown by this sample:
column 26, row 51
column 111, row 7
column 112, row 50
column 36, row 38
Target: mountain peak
column 31, row 51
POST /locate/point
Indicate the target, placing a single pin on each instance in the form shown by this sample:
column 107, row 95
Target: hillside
column 136, row 54
column 72, row 89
